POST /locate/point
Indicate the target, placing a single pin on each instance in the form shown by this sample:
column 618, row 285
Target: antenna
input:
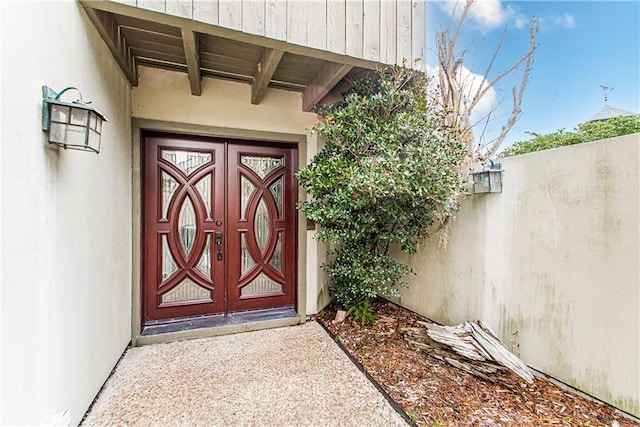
column 605, row 89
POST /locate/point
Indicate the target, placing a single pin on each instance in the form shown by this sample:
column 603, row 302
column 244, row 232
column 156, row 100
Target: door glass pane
column 204, row 265
column 276, row 190
column 187, row 225
column 186, row 161
column 168, row 263
column 169, row 187
column 204, row 188
column 246, row 260
column 261, row 225
column 261, row 285
column 261, row 165
column 276, row 258
column 246, row 189
column 187, row 290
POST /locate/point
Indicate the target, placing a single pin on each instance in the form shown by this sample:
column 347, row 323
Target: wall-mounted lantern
column 75, row 125
column 489, row 179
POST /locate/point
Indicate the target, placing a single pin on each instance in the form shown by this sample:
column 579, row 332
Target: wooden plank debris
column 470, row 346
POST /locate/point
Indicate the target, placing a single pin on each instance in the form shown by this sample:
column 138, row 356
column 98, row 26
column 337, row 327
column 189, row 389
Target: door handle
column 218, row 240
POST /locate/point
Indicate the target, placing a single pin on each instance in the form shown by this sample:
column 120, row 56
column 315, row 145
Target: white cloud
column 565, row 21
column 476, row 82
column 471, row 82
column 487, row 14
column 519, row 20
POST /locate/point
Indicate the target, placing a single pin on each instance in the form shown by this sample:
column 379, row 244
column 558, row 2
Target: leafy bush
column 388, row 171
column 616, row 126
column 585, row 132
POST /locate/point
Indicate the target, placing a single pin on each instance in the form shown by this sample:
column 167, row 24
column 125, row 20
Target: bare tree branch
column 456, row 94
column 517, row 96
column 465, row 12
column 478, row 95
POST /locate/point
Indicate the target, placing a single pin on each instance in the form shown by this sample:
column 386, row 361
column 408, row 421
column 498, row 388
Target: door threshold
column 209, row 326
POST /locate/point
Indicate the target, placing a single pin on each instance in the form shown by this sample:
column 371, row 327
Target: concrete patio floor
column 292, row 376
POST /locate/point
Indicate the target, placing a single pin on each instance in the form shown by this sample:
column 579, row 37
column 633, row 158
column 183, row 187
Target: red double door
column 219, row 226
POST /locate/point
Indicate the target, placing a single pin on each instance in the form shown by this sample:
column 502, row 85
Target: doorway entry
column 219, row 226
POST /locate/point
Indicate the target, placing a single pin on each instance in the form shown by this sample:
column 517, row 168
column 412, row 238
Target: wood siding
column 385, row 31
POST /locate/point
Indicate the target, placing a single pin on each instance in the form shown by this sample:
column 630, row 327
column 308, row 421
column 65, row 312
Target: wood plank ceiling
column 141, row 37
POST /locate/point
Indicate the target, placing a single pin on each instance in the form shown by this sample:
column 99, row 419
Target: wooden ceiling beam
column 264, row 71
column 192, row 55
column 328, row 76
column 115, row 41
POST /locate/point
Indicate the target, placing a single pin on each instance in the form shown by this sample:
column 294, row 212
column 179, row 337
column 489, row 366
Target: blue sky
column 582, row 45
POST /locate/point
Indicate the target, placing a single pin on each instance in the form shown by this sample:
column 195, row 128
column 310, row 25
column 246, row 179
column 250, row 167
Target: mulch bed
column 434, row 393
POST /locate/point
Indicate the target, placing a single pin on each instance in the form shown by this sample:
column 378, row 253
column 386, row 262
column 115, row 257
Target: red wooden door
column 218, row 226
column 262, row 227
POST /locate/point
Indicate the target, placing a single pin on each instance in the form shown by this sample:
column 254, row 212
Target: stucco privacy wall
column 224, row 107
column 555, row 259
column 66, row 219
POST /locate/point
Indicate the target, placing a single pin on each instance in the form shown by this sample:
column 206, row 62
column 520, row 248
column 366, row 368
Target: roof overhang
column 137, row 36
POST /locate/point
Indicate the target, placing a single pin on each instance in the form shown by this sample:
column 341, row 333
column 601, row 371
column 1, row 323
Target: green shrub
column 362, row 312
column 585, row 132
column 616, row 126
column 387, row 172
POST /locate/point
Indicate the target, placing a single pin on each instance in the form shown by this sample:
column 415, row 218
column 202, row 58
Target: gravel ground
column 277, row 377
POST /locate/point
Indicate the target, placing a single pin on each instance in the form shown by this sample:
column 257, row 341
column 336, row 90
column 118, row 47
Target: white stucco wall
column 556, row 258
column 223, row 109
column 166, row 95
column 66, row 219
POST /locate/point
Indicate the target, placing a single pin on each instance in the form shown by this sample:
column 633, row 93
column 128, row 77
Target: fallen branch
column 472, row 347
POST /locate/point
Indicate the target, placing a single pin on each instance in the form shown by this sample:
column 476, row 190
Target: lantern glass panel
column 92, row 121
column 79, row 116
column 496, row 181
column 76, row 135
column 481, row 182
column 57, row 132
column 93, row 141
column 59, row 113
column 481, row 187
